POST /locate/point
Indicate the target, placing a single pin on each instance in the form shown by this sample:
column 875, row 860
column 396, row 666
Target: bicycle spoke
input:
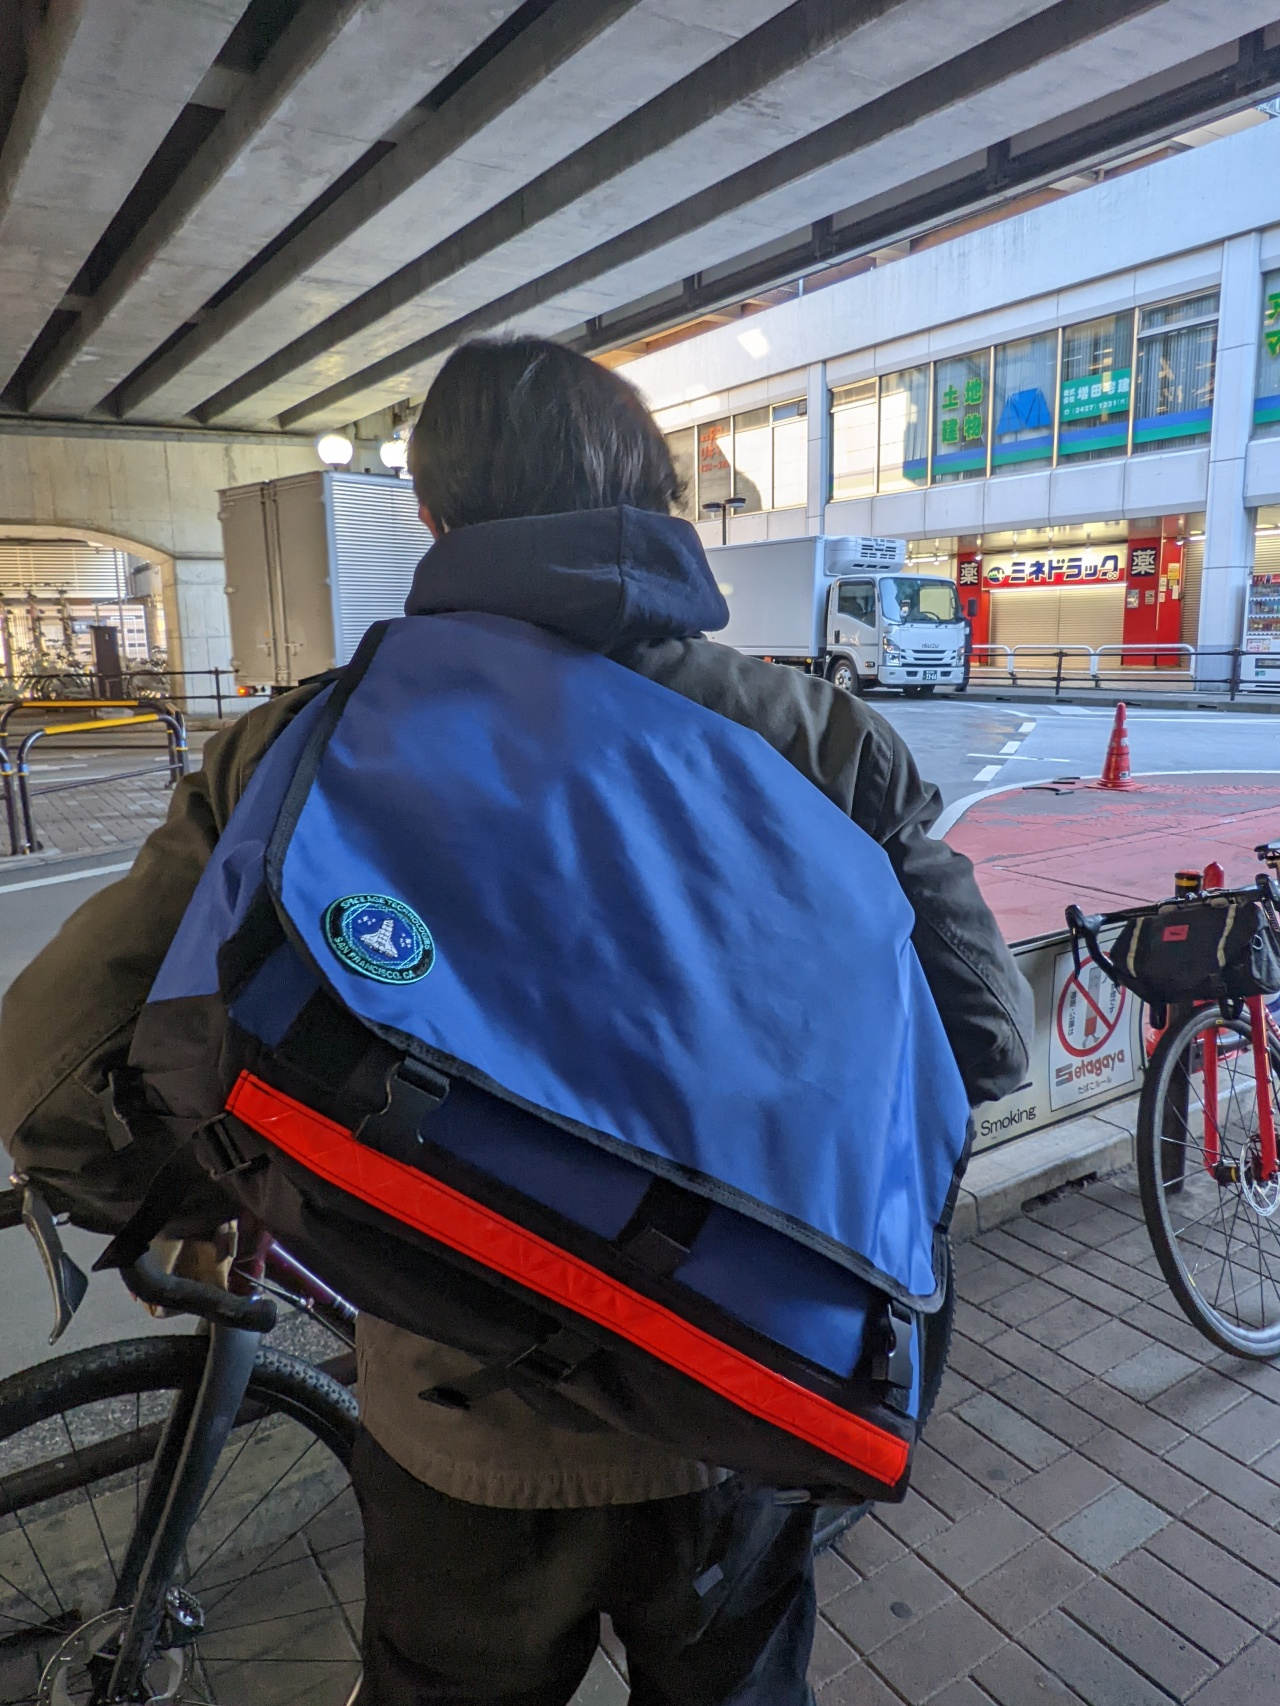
column 97, row 1521
column 265, row 1562
column 31, row 1547
column 235, row 1458
column 284, row 1473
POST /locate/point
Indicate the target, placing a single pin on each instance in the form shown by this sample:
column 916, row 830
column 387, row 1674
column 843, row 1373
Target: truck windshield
column 911, row 598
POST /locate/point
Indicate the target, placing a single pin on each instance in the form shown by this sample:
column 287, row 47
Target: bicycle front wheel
column 1214, row 1220
column 268, row 1600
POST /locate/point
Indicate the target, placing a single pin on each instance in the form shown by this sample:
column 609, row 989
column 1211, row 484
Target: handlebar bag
column 1210, row 949
column 509, row 1002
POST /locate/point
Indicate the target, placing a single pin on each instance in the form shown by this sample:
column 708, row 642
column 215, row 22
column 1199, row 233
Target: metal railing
column 1167, row 666
column 197, row 692
column 15, row 769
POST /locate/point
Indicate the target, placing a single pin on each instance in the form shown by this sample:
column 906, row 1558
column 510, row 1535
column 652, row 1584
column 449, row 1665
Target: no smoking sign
column 1090, row 1049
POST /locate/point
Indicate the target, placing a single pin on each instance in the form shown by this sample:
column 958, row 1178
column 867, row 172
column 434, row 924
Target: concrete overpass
column 277, row 215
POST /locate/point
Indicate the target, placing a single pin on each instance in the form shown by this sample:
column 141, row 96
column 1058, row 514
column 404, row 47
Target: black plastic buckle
column 894, row 1364
column 217, row 1151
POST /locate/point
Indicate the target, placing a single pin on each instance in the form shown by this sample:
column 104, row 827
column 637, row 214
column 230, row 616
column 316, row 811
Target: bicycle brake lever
column 67, row 1282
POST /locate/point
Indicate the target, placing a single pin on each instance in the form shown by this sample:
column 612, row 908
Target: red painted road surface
column 1036, row 849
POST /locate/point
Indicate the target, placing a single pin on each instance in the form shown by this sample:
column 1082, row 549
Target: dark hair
column 521, row 426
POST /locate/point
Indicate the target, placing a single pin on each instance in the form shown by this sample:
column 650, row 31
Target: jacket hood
column 603, row 577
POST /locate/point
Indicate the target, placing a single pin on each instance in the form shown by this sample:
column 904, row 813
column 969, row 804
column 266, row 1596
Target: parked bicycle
column 1205, row 963
column 175, row 1512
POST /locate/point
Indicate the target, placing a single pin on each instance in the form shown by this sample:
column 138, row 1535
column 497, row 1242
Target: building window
column 682, row 446
column 1093, row 400
column 715, row 474
column 904, row 429
column 960, row 416
column 1023, row 403
column 853, row 439
column 1173, row 387
column 761, row 455
column 1266, row 401
column 791, row 454
column 753, row 460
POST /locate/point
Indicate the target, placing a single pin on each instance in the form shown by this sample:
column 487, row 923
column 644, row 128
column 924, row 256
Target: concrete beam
column 550, row 90
column 302, row 281
column 947, row 112
column 745, row 88
column 340, row 74
column 105, row 81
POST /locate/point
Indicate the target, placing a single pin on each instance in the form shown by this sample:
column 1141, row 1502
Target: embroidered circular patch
column 379, row 937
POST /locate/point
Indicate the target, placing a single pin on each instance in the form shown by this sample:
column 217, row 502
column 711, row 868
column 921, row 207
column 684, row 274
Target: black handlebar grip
column 149, row 1282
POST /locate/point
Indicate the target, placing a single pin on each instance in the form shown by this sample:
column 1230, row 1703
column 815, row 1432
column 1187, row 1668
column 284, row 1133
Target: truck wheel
column 844, row 675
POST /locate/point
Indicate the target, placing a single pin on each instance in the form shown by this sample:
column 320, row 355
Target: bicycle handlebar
column 150, row 1283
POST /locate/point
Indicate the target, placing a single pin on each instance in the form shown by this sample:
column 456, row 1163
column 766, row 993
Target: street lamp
column 393, row 453
column 722, row 510
column 335, row 449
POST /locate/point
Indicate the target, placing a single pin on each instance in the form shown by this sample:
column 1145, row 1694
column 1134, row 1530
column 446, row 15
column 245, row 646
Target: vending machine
column 1260, row 666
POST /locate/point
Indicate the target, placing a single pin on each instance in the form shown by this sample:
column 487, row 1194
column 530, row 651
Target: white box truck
column 312, row 560
column 847, row 608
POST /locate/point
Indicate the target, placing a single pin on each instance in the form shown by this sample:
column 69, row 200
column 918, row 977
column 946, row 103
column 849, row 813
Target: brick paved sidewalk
column 101, row 816
column 1096, row 1513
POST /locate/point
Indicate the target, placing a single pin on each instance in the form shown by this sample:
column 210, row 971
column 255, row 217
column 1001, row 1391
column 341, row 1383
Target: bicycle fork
column 1260, row 1046
column 194, row 1437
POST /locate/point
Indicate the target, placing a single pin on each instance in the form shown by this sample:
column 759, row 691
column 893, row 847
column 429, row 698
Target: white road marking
column 1009, row 746
column 987, row 772
column 1023, row 758
column 1025, row 728
column 64, row 877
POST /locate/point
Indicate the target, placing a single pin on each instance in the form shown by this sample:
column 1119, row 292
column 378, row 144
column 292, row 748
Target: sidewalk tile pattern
column 1095, row 1515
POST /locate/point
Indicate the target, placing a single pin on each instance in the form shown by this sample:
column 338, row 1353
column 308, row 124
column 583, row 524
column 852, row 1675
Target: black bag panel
column 403, row 1277
column 1200, row 950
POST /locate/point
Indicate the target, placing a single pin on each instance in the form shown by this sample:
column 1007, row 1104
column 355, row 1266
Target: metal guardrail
column 200, row 692
column 15, row 770
column 1167, row 665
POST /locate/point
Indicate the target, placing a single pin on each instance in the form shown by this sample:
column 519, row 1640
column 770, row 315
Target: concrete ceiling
column 283, row 213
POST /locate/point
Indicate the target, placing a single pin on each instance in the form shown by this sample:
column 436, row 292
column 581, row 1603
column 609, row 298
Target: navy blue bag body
column 506, row 1003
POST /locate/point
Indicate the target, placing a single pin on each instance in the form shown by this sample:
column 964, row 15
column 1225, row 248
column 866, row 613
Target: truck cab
column 892, row 628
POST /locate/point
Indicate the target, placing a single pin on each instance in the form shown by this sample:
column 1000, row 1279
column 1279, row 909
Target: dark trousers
column 711, row 1595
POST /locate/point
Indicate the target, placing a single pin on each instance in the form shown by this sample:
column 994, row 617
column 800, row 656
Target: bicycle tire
column 288, row 1403
column 1179, row 1198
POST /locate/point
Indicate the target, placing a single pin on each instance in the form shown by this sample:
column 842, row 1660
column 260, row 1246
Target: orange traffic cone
column 1115, row 767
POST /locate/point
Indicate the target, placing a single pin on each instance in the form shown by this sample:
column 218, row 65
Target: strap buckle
column 893, row 1364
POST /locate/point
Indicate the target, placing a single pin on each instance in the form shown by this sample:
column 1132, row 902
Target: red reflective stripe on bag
column 454, row 1219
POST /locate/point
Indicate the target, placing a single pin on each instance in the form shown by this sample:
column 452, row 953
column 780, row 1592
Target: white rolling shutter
column 1057, row 616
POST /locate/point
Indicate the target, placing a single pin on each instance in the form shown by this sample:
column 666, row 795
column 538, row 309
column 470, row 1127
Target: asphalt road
column 966, row 746
column 969, row 745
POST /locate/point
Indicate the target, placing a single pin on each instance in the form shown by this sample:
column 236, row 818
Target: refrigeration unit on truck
column 848, row 608
column 312, row 560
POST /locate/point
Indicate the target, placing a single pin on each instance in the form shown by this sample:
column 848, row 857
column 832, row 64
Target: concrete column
column 1228, row 525
column 197, row 625
column 819, row 417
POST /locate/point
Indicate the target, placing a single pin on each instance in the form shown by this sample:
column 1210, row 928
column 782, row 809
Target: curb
column 1000, row 1181
column 18, row 868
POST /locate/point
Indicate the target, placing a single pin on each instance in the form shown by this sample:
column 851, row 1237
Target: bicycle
column 175, row 1512
column 160, row 1436
column 1206, row 1140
